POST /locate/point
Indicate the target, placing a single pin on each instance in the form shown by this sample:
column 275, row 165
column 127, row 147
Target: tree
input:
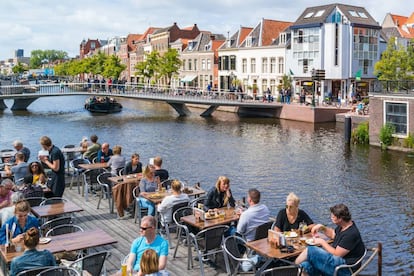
column 395, row 63
column 149, row 68
column 39, row 57
column 170, row 64
column 19, row 68
column 113, row 67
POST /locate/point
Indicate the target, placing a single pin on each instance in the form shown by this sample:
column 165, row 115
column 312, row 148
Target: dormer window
column 191, row 45
column 282, row 38
column 249, row 41
column 207, row 47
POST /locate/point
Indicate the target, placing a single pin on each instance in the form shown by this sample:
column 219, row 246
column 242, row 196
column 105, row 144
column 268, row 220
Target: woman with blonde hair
column 149, row 183
column 149, row 263
column 31, row 257
column 117, row 161
column 220, row 195
column 289, row 218
column 166, row 205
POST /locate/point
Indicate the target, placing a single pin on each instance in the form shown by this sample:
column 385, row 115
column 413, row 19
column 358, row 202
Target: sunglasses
column 145, row 228
column 289, row 206
column 34, row 166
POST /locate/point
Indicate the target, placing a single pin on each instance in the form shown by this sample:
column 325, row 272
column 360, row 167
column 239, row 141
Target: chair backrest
column 211, row 238
column 166, row 183
column 181, row 212
column 33, row 271
column 91, row 177
column 76, row 162
column 53, row 200
column 45, row 227
column 69, row 155
column 92, row 263
column 135, row 192
column 35, row 201
column 261, row 230
column 64, row 229
column 121, row 171
column 102, row 178
column 372, row 253
column 290, row 270
column 60, row 271
column 193, row 203
column 351, row 267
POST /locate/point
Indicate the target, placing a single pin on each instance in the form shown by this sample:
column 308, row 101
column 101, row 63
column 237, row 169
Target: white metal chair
column 167, row 225
column 45, row 227
column 59, row 271
column 93, row 263
column 77, row 171
column 235, row 248
column 106, row 190
column 138, row 209
column 52, row 200
column 64, row 229
column 183, row 233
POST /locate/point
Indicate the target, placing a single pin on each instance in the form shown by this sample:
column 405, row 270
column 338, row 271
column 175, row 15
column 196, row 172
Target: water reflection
column 276, row 156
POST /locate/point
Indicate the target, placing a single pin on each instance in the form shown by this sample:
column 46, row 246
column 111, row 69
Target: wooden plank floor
column 125, row 231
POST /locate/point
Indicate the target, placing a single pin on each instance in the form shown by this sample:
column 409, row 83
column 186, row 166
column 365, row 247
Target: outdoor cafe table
column 65, row 242
column 55, row 209
column 91, row 166
column 229, row 217
column 264, row 249
column 157, row 197
column 122, row 187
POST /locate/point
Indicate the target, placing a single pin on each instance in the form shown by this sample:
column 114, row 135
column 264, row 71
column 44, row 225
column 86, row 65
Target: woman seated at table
column 31, row 257
column 290, row 217
column 19, row 223
column 148, row 183
column 149, row 263
column 220, row 195
column 36, row 174
column 117, row 161
column 165, row 207
column 133, row 166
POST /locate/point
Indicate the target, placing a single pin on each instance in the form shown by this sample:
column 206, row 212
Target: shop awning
column 188, row 78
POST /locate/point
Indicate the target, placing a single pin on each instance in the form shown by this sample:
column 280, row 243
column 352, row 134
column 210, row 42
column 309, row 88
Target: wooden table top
column 67, row 242
column 230, row 216
column 130, row 178
column 55, row 209
column 157, row 197
column 94, row 166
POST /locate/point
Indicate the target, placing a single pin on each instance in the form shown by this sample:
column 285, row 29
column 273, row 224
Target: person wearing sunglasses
column 290, row 217
column 149, row 239
column 36, row 174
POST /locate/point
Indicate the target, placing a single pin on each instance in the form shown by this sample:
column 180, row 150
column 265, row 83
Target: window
column 396, row 114
column 309, row 14
column 232, row 62
column 253, row 65
column 264, row 85
column 319, row 13
column 184, row 64
column 264, row 65
column 365, row 67
column 305, row 66
column 353, row 13
column 249, row 41
column 208, row 64
column 336, row 60
column 203, row 64
column 195, row 64
column 225, row 63
column 244, row 65
column 281, row 65
column 190, row 65
column 272, row 65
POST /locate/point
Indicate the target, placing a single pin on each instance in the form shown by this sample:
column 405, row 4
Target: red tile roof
column 399, row 20
column 271, row 30
column 244, row 32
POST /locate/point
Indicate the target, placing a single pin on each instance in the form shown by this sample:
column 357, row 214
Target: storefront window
column 396, row 114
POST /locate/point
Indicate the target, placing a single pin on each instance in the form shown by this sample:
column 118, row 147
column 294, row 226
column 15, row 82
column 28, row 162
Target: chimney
column 212, row 37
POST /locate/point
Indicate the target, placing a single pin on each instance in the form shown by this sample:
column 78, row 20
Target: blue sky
column 61, row 25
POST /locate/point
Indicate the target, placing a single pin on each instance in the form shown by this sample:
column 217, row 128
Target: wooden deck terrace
column 125, row 231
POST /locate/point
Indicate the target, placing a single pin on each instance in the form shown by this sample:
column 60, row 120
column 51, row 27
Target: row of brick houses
column 343, row 40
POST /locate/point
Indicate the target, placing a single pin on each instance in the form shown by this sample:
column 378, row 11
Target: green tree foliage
column 19, row 68
column 170, row 64
column 113, row 67
column 286, row 81
column 396, row 63
column 39, row 57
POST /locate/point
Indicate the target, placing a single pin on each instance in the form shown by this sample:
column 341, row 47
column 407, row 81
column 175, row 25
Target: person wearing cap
column 18, row 146
column 6, row 187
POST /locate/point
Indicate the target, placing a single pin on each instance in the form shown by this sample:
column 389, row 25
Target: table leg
column 264, row 266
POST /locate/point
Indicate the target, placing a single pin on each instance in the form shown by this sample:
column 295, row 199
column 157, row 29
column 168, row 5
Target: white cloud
column 61, row 25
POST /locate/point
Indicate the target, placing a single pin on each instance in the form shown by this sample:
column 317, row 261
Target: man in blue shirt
column 105, row 152
column 148, row 239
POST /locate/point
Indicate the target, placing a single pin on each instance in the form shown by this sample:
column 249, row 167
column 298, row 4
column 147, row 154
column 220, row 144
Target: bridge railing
column 141, row 90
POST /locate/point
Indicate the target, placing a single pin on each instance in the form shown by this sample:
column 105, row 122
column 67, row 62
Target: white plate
column 310, row 241
column 44, row 240
column 291, row 234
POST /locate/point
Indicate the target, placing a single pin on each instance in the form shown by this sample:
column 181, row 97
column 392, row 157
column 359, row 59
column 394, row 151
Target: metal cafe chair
column 235, row 248
column 208, row 242
column 33, row 271
column 106, row 190
column 93, row 263
column 289, row 270
column 60, row 271
column 139, row 211
column 183, row 232
column 77, row 171
column 167, row 225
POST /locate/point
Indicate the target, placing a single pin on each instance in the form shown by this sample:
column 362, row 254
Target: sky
column 63, row 24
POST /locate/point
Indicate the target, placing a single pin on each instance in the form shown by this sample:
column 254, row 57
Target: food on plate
column 310, row 241
column 290, row 234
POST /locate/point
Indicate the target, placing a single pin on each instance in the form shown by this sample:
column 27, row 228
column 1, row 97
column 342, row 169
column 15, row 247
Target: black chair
column 208, row 242
column 64, row 229
column 167, row 225
column 90, row 181
column 235, row 248
column 183, row 233
column 45, row 227
column 35, row 201
column 139, row 211
column 290, row 270
column 261, row 230
column 52, row 200
column 33, row 271
column 106, row 190
column 92, row 263
column 194, row 203
column 60, row 271
column 77, row 171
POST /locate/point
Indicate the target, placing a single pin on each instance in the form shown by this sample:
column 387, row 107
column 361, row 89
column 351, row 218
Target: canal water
column 275, row 156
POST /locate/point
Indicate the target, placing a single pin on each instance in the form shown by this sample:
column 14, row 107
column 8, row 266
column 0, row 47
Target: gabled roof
column 410, row 20
column 203, row 39
column 265, row 32
column 237, row 38
column 131, row 38
column 403, row 25
column 398, row 20
column 320, row 14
